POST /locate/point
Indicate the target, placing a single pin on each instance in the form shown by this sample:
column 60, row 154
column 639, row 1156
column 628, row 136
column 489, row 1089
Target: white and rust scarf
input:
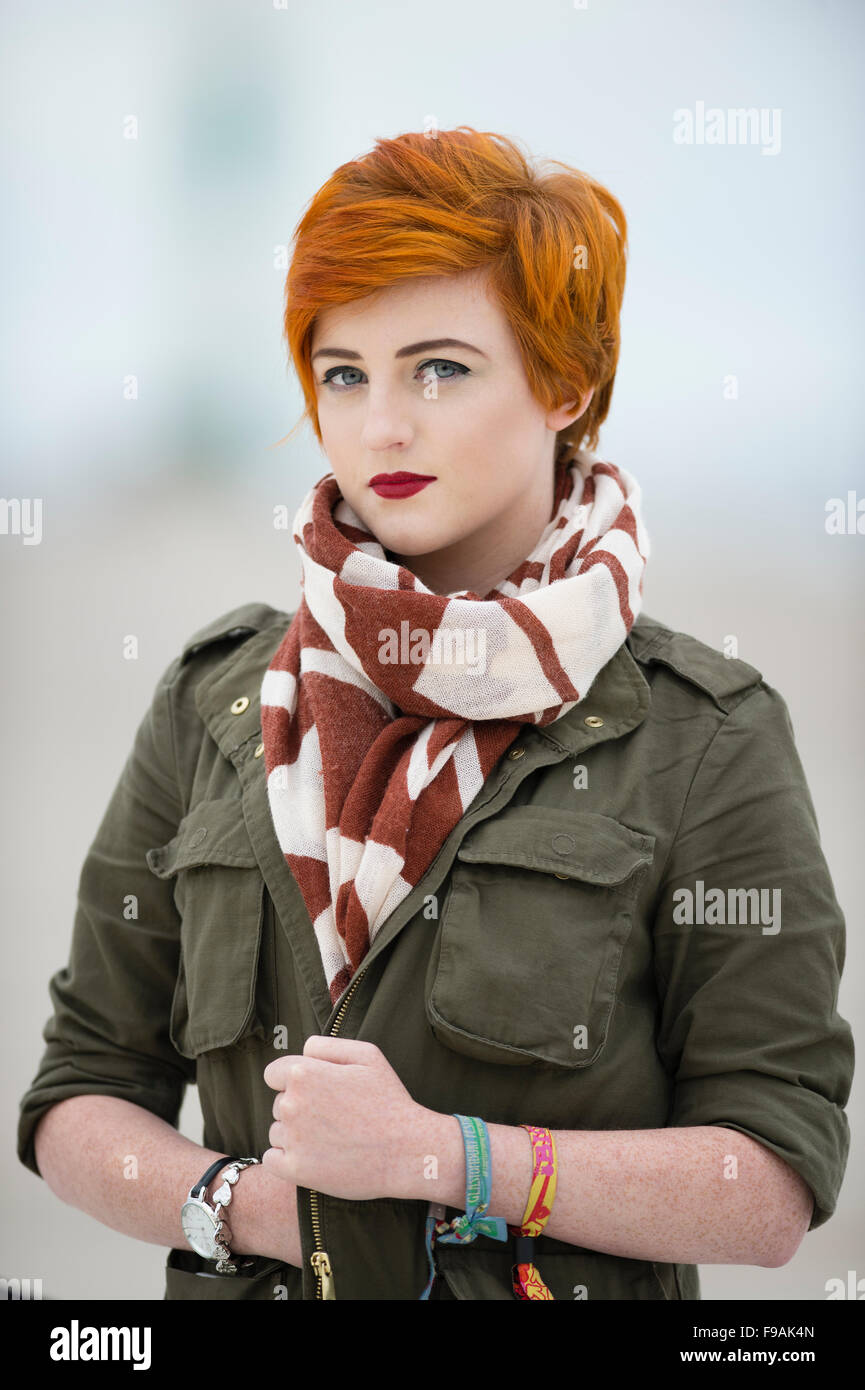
column 386, row 706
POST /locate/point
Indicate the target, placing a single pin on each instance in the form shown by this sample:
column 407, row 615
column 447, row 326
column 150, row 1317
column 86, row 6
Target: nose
column 385, row 423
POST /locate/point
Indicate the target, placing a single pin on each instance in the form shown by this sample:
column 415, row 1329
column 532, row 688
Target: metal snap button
column 240, row 704
column 516, row 752
column 259, row 750
column 197, row 835
column 562, row 875
column 593, row 721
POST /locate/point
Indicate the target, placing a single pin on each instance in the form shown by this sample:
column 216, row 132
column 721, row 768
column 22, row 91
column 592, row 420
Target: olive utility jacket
column 544, row 970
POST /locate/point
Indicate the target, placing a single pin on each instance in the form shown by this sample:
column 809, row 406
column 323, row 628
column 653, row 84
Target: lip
column 399, row 484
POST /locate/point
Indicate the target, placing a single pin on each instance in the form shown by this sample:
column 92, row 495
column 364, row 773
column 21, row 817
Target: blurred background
column 155, row 161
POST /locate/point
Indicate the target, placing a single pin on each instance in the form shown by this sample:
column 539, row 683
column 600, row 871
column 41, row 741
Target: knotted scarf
column 386, row 706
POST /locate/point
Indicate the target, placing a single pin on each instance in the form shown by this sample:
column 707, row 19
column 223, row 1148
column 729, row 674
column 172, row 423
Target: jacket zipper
column 319, row 1259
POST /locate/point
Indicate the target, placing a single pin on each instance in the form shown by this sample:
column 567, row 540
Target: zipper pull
column 321, row 1264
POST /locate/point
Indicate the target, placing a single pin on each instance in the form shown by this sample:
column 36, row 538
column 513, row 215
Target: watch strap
column 200, row 1188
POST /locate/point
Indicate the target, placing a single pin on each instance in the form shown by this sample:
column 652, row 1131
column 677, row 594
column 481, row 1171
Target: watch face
column 199, row 1229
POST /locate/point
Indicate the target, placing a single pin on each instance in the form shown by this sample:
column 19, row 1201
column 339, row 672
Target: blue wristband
column 474, row 1222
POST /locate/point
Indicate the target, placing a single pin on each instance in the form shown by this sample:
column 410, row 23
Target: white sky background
column 156, row 257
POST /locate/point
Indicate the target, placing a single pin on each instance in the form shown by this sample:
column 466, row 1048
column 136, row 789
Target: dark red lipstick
column 400, row 484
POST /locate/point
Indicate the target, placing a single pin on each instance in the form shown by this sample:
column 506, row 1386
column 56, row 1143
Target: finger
column 278, row 1137
column 283, row 1103
column 334, row 1049
column 274, row 1161
column 277, row 1071
column 306, row 1069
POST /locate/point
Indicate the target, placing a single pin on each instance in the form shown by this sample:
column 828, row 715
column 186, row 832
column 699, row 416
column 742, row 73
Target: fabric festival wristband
column 527, row 1282
column 479, row 1179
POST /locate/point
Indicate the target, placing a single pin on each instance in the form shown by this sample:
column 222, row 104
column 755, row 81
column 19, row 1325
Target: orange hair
column 458, row 200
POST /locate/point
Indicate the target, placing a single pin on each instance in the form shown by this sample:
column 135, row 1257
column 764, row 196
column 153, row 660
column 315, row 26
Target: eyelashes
column 329, row 378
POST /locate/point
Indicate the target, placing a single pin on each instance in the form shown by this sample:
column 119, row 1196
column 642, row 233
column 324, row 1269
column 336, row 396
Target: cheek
column 500, row 419
column 331, row 433
column 340, row 448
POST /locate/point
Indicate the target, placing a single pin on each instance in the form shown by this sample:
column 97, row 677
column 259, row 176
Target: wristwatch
column 203, row 1225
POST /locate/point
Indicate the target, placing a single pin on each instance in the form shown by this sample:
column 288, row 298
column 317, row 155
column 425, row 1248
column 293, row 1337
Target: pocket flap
column 221, row 897
column 574, row 844
column 525, row 963
column 214, row 832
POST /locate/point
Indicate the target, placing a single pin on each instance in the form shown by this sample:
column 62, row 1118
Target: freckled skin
column 82, row 1149
column 653, row 1194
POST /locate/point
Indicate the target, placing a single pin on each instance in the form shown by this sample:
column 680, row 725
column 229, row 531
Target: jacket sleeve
column 109, row 1031
column 748, row 1022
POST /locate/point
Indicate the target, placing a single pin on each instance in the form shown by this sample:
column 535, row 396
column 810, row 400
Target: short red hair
column 459, row 200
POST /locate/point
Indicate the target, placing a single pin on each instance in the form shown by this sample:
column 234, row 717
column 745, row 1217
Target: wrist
column 433, row 1167
column 436, row 1167
column 263, row 1216
column 512, row 1163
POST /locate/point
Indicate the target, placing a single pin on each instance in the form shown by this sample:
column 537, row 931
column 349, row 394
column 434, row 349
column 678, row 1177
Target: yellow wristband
column 527, row 1282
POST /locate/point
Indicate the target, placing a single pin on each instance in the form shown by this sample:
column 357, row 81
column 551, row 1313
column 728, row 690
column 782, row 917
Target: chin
column 418, row 535
column 414, row 544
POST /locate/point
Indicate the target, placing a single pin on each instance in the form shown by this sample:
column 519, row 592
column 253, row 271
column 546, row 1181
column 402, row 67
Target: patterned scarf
column 386, row 706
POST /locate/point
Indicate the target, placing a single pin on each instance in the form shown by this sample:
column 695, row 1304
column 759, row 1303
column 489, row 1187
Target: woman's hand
column 343, row 1121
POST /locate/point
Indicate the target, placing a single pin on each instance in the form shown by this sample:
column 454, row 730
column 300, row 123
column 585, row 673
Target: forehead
column 421, row 306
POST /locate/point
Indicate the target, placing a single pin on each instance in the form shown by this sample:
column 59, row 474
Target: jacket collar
column 619, row 698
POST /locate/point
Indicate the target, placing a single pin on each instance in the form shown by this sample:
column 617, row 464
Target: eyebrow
column 408, row 351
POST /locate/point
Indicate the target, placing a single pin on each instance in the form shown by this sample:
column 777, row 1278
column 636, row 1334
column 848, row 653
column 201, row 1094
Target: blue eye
column 443, row 362
column 329, row 378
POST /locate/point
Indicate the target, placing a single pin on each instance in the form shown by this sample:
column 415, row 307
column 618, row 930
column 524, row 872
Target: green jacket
column 541, row 970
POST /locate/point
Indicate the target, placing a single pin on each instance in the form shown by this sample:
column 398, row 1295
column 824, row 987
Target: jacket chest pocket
column 220, row 895
column 533, row 925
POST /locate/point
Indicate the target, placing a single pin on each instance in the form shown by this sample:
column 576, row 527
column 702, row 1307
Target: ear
column 571, row 410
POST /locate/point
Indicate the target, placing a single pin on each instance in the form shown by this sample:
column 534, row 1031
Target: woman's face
column 395, row 397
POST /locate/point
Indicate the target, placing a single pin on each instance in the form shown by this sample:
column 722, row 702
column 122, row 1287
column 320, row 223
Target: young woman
column 488, row 913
